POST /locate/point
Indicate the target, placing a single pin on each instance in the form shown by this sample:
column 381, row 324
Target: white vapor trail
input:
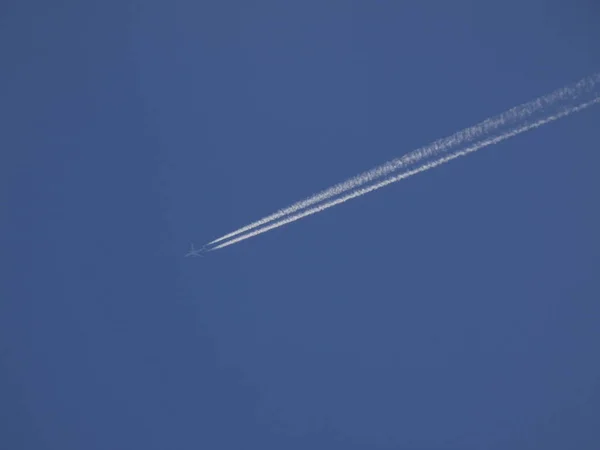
column 513, row 116
column 422, row 168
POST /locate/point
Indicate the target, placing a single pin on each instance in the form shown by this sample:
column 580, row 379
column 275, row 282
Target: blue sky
column 457, row 309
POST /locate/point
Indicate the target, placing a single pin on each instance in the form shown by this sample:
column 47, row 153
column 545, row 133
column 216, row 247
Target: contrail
column 422, row 168
column 482, row 129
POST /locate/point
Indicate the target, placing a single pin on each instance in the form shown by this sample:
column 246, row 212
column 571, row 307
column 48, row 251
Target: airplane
column 194, row 252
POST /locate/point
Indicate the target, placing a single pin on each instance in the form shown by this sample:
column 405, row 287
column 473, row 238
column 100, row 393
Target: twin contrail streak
column 393, row 179
column 506, row 125
column 516, row 114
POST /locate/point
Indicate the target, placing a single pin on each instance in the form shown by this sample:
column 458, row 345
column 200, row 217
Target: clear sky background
column 454, row 310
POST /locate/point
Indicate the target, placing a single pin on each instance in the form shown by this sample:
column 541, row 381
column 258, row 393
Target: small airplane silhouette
column 194, row 251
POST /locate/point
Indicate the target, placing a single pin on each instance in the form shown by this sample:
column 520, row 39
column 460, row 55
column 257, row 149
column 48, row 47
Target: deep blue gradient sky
column 454, row 310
